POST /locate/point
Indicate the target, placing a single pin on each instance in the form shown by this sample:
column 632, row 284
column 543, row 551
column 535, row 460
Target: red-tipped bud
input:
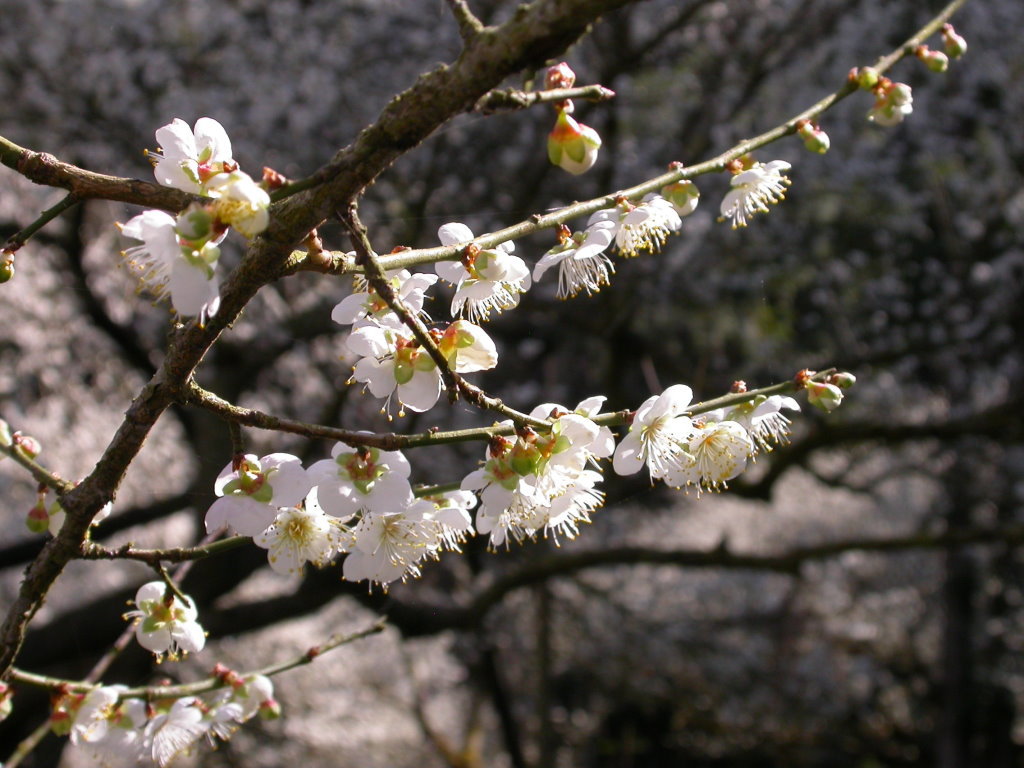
column 38, row 519
column 815, row 139
column 560, row 76
column 954, row 44
column 827, row 397
column 936, row 61
column 573, row 146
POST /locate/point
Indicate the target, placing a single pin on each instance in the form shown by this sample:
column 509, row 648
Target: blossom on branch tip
column 955, row 44
column 164, row 623
column 189, row 158
column 753, row 190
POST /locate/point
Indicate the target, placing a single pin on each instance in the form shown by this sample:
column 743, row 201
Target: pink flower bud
column 38, row 519
column 955, row 45
column 27, row 444
column 6, row 703
column 560, row 76
column 827, row 397
column 573, row 146
column 815, row 139
column 936, row 61
column 270, row 709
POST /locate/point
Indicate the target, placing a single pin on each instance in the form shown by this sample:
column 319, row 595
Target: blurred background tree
column 880, row 623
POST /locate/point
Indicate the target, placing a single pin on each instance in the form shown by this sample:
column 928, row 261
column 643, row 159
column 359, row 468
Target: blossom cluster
column 178, row 255
column 109, row 725
column 360, row 502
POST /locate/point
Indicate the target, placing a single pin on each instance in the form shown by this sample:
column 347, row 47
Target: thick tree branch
column 43, row 168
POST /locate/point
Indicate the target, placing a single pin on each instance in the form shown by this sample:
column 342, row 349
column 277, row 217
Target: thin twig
column 510, row 99
column 18, row 239
column 455, row 384
column 203, row 686
column 469, row 25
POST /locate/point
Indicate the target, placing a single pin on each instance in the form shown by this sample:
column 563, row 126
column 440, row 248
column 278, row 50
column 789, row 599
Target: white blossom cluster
column 178, row 255
column 112, row 727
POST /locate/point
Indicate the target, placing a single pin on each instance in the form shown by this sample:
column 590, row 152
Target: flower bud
column 27, row 444
column 560, row 76
column 573, row 146
column 867, row 78
column 815, row 139
column 954, row 44
column 6, row 266
column 38, row 519
column 827, row 397
column 843, row 379
column 6, row 703
column 683, row 195
column 270, row 709
column 936, row 61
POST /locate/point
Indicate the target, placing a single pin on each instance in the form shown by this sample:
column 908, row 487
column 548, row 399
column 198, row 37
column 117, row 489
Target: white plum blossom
column 175, row 730
column 753, row 190
column 110, row 732
column 299, row 535
column 252, row 490
column 451, row 514
column 582, row 263
column 658, row 435
column 486, row 280
column 240, row 202
column 393, row 362
column 92, row 719
column 539, row 481
column 716, row 452
column 390, row 545
column 762, row 417
column 189, row 158
column 639, row 228
column 468, row 348
column 361, row 479
column 169, row 265
column 365, row 303
column 164, row 623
